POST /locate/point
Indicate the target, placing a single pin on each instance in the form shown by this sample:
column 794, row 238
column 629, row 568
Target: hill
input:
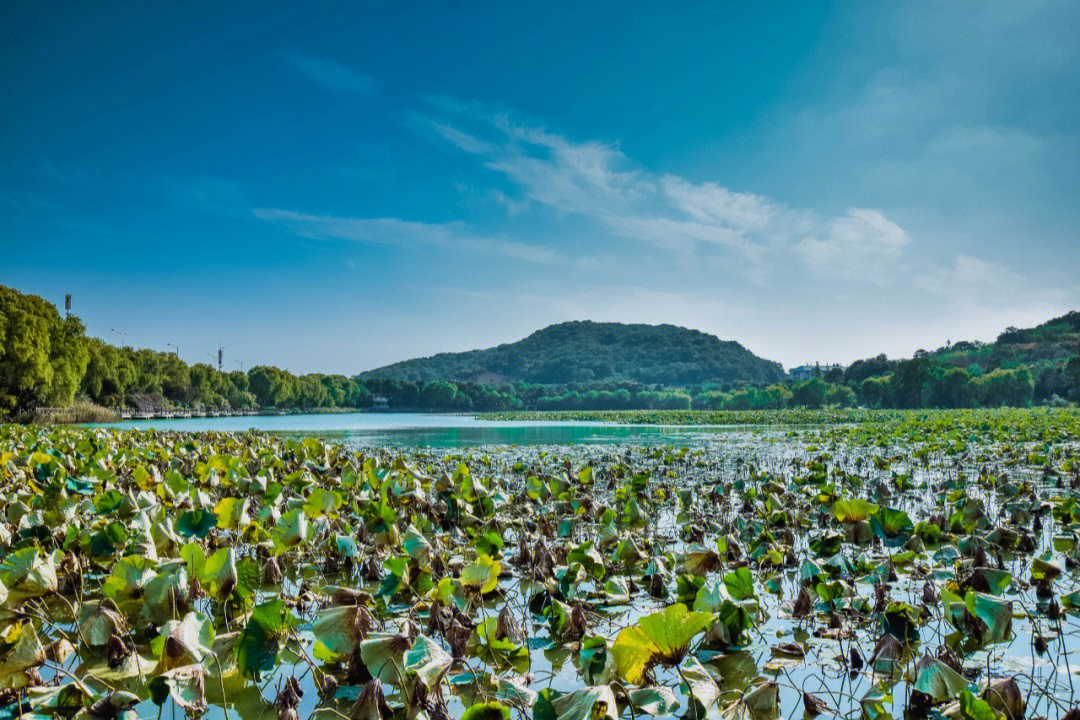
column 1050, row 343
column 585, row 351
column 1022, row 366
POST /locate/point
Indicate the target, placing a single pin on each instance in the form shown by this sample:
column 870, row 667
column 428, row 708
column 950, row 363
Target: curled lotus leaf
column 428, row 660
column 341, row 629
column 183, row 642
column 27, row 653
column 185, row 685
column 657, row 700
column 28, row 572
column 384, row 656
column 937, row 680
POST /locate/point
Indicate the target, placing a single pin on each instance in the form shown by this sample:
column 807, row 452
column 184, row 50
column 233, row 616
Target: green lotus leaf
column 974, row 708
column 998, row 581
column 489, row 543
column 166, row 593
column 482, row 576
column 595, row 661
column 660, row 638
column 98, row 622
column 938, row 680
column 826, row 544
column 995, row 614
column 733, row 620
column 291, row 530
column 259, row 643
column 616, row 591
column 740, row 584
column 322, row 501
column 853, row 510
column 485, row 643
column 232, row 513
column 219, row 574
column 877, row 701
column 894, row 527
column 710, row 596
column 126, row 586
column 346, row 546
column 196, row 523
column 416, row 545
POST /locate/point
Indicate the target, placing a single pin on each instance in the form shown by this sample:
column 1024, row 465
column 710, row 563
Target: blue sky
column 339, row 187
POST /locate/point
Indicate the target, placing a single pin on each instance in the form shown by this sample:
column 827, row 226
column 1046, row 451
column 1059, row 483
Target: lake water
column 431, row 430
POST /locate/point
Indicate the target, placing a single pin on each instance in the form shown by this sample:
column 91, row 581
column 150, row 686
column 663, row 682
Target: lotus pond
column 913, row 564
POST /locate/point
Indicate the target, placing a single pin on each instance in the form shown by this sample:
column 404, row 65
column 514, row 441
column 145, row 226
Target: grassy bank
column 76, row 413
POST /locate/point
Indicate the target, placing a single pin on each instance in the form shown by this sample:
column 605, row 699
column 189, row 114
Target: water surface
column 438, row 430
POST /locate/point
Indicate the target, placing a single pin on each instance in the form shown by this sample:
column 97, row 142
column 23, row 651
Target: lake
column 438, row 430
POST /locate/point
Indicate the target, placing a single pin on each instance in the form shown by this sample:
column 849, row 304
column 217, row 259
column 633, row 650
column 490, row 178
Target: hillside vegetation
column 1045, row 345
column 582, row 352
column 47, row 360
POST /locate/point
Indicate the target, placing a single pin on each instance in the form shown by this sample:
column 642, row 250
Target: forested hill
column 1053, row 342
column 1046, row 347
column 584, row 351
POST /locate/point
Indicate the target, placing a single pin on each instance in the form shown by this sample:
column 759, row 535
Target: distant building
column 808, row 372
column 380, row 404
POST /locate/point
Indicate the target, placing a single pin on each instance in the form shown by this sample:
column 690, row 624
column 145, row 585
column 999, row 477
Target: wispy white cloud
column 395, row 231
column 330, row 74
column 977, row 284
column 861, row 244
column 597, row 181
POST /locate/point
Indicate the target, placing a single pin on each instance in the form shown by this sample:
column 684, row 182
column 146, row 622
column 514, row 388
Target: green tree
column 1072, row 378
column 1013, row 387
column 909, row 381
column 43, row 357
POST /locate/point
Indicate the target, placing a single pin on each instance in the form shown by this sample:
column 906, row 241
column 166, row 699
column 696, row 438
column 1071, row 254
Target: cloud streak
column 394, row 231
column 330, row 74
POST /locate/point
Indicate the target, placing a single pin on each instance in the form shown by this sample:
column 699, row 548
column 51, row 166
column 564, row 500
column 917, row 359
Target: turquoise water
column 430, row 430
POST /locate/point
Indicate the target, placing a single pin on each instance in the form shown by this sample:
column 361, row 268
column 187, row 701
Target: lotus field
column 902, row 565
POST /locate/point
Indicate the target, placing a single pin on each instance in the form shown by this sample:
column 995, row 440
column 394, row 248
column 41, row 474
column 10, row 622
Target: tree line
column 48, row 360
